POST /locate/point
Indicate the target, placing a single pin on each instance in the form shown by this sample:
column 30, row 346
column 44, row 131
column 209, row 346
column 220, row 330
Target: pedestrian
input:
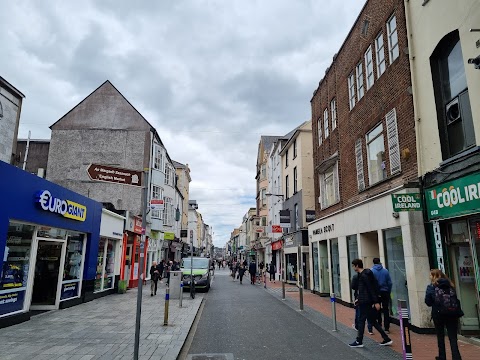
column 355, row 305
column 385, row 287
column 368, row 303
column 169, row 268
column 241, row 272
column 154, row 276
column 252, row 269
column 272, row 270
column 161, row 267
column 234, row 269
column 441, row 288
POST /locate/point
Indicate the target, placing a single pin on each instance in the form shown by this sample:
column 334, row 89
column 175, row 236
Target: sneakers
column 356, row 344
column 370, row 332
column 354, row 327
column 386, row 342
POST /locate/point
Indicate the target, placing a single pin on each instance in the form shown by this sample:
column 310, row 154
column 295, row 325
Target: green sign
column 407, row 202
column 455, row 198
column 169, row 236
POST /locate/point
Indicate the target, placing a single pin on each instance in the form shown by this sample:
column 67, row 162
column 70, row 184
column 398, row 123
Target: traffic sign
column 157, row 204
column 114, row 175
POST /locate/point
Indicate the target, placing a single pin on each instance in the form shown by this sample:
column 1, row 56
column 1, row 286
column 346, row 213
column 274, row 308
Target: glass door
column 316, row 269
column 47, row 275
column 337, row 289
column 324, row 271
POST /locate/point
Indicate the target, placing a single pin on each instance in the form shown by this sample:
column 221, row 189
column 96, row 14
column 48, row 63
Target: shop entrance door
column 48, row 271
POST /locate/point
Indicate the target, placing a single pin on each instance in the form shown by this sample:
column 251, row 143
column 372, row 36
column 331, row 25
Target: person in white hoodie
column 385, row 287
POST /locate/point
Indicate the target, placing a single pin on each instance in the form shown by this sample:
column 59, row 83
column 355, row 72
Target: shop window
column 376, row 155
column 51, row 233
column 15, row 267
column 454, row 113
column 352, row 245
column 72, row 270
column 316, row 268
column 105, row 277
column 291, row 260
column 329, row 191
column 337, row 284
column 395, row 264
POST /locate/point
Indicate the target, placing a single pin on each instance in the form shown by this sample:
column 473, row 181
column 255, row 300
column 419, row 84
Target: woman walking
column 241, row 272
column 440, row 291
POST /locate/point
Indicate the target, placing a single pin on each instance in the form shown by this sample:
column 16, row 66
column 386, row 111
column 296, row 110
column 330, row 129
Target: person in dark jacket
column 368, row 303
column 271, row 270
column 385, row 287
column 252, row 269
column 161, row 267
column 440, row 280
column 154, row 276
column 355, row 303
column 241, row 271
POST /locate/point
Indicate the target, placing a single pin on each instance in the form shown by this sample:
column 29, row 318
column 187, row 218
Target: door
column 47, row 276
column 324, row 271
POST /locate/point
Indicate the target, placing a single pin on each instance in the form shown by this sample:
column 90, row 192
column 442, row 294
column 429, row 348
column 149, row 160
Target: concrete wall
column 10, row 109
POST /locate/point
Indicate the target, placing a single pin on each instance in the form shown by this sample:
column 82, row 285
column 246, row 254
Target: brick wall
column 391, row 90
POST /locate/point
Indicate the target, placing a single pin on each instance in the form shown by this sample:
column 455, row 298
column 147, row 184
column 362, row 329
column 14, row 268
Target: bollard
column 301, row 298
column 181, row 294
column 283, row 289
column 405, row 329
column 334, row 311
column 165, row 315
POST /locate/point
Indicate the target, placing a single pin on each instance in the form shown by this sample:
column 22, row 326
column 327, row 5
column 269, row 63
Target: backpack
column 447, row 303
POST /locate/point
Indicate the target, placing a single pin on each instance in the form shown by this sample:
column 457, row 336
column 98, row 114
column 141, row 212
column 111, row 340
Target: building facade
column 365, row 157
column 445, row 62
column 10, row 108
column 32, row 156
column 183, row 184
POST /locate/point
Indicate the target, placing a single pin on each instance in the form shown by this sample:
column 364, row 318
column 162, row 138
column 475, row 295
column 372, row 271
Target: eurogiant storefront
column 49, row 241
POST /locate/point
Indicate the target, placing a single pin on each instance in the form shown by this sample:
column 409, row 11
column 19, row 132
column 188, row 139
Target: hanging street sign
column 407, row 202
column 114, row 175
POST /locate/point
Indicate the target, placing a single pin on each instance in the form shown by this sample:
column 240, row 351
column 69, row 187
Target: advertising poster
column 11, row 301
column 69, row 290
column 465, row 265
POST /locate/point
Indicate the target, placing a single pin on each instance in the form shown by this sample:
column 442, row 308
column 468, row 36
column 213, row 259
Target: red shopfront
column 131, row 252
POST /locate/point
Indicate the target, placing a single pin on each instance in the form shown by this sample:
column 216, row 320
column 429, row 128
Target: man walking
column 252, row 269
column 385, row 287
column 368, row 303
column 154, row 276
column 271, row 270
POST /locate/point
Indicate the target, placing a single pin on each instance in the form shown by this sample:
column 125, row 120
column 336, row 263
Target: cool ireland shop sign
column 459, row 197
column 406, row 202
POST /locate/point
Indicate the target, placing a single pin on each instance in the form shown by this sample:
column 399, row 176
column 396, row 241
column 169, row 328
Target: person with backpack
column 446, row 310
column 385, row 287
column 368, row 304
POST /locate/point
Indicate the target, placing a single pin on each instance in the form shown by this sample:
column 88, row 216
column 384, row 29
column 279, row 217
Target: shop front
column 131, row 252
column 366, row 231
column 296, row 253
column 48, row 245
column 453, row 208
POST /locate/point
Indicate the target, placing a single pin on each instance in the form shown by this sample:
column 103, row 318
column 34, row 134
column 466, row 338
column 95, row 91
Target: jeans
column 272, row 276
column 153, row 286
column 370, row 313
column 357, row 318
column 452, row 326
column 385, row 310
column 252, row 278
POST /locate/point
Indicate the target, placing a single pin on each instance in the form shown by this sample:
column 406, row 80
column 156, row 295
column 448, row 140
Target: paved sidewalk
column 424, row 347
column 103, row 329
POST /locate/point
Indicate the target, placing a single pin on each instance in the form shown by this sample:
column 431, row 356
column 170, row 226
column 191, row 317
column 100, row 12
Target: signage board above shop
column 65, row 208
column 407, row 202
column 168, row 236
column 115, row 175
column 455, row 198
column 156, row 204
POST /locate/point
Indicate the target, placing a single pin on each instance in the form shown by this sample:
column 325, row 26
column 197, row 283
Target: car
column 201, row 267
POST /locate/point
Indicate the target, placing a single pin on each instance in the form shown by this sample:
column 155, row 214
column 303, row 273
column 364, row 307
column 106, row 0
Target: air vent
column 453, row 111
column 366, row 23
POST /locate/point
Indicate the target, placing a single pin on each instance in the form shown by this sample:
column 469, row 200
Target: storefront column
column 330, row 267
column 124, row 256
column 381, row 247
column 344, row 267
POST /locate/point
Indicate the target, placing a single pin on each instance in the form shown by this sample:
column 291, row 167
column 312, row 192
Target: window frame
column 286, row 158
column 378, row 51
column 294, row 148
column 157, row 193
column 295, row 180
column 369, row 72
column 368, row 142
column 286, row 187
column 351, row 90
column 333, row 110
column 359, row 79
column 390, row 34
column 325, row 123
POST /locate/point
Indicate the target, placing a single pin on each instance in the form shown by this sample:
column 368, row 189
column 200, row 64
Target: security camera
column 475, row 62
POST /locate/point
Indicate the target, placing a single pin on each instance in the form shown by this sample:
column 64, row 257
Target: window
column 351, row 90
column 359, row 164
column 329, row 193
column 168, row 175
column 264, row 197
column 380, row 55
column 325, row 122
column 369, row 67
column 158, row 160
column 297, row 221
column 264, row 221
column 320, row 135
column 333, row 110
column 168, row 211
column 264, row 171
column 454, row 113
column 294, row 148
column 286, row 158
column 376, row 155
column 360, row 89
column 157, row 193
column 286, row 187
column 295, row 188
column 392, row 39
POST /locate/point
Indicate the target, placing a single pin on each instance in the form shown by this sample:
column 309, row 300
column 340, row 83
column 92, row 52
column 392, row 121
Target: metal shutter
column 359, row 162
column 393, row 146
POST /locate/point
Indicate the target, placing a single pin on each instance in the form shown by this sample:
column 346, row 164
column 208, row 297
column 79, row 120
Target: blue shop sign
column 11, row 301
column 69, row 290
column 66, row 208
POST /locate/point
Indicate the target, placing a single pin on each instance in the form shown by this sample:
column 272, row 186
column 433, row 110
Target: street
column 247, row 322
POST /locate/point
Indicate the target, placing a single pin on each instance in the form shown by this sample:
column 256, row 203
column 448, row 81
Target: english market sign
column 114, row 175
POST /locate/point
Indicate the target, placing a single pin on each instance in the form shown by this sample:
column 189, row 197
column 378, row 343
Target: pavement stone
column 103, row 328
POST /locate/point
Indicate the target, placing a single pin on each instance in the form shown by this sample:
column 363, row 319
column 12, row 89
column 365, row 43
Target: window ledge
column 464, row 153
column 387, row 179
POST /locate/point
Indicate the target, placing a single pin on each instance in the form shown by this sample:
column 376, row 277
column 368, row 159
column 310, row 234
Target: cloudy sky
column 211, row 75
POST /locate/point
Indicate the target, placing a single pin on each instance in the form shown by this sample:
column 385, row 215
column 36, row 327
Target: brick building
column 364, row 148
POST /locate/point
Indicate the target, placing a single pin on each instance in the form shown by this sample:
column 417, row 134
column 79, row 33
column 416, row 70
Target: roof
column 268, row 140
column 35, row 140
column 178, row 165
column 11, row 87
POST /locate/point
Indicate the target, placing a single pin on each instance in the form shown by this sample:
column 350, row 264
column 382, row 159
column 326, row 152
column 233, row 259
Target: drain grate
column 210, row 357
